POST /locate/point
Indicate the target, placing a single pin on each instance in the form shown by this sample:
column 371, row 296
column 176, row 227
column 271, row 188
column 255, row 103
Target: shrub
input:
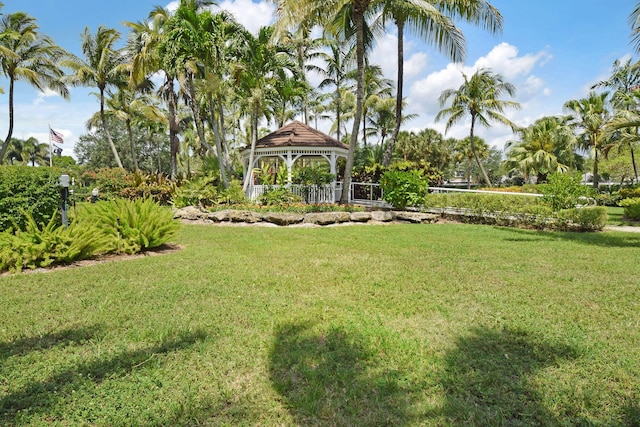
column 52, row 244
column 628, row 192
column 109, row 181
column 134, row 225
column 199, row 191
column 27, row 189
column 279, row 196
column 582, row 219
column 404, row 188
column 563, row 190
column 233, row 195
column 631, row 208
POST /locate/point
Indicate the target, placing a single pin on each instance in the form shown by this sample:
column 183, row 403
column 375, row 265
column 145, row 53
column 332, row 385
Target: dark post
column 64, row 192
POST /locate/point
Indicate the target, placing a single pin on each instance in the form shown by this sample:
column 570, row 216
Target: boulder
column 326, row 218
column 191, row 213
column 219, row 216
column 382, row 216
column 416, row 217
column 360, row 216
column 283, row 218
column 245, row 216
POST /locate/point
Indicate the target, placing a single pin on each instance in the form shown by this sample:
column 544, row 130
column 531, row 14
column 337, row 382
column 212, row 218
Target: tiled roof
column 297, row 134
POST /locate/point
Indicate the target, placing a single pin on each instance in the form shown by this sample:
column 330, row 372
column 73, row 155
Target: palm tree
column 308, row 13
column 634, row 20
column 145, row 60
column 431, row 21
column 625, row 84
column 478, row 97
column 591, row 114
column 334, row 74
column 259, row 66
column 103, row 67
column 25, row 54
column 546, row 146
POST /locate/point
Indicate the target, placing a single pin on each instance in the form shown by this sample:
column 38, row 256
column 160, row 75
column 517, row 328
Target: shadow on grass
column 23, row 346
column 605, row 239
column 487, row 378
column 43, row 396
column 330, row 378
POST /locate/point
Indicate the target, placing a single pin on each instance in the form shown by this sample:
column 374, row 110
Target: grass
column 366, row 325
column 617, row 218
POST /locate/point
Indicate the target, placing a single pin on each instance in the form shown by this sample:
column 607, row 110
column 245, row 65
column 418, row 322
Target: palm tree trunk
column 475, row 152
column 252, row 153
column 174, row 128
column 359, row 8
column 633, row 162
column 223, row 135
column 5, row 144
column 596, row 183
column 106, row 131
column 195, row 109
column 396, row 130
column 338, row 111
column 216, row 137
column 134, row 158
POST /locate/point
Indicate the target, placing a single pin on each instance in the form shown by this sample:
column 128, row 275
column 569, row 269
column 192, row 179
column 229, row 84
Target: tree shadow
column 42, row 396
column 605, row 239
column 331, row 378
column 487, row 378
column 22, row 346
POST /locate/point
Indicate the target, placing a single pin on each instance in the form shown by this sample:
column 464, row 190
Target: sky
column 551, row 51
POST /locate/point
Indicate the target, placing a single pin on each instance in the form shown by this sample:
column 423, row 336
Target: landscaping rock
column 416, row 217
column 283, row 218
column 360, row 216
column 382, row 216
column 219, row 216
column 245, row 216
column 191, row 213
column 326, row 218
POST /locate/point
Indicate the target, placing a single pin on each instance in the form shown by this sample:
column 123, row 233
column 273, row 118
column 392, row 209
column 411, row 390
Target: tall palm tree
column 591, row 115
column 432, row 21
column 624, row 83
column 544, row 147
column 479, row 98
column 255, row 73
column 103, row 67
column 324, row 12
column 145, row 61
column 25, row 54
column 336, row 62
column 634, row 20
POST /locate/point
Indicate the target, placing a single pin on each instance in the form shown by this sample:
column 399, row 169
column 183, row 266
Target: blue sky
column 552, row 51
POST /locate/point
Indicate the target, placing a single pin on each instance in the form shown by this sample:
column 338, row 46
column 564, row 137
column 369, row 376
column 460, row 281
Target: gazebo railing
column 309, row 193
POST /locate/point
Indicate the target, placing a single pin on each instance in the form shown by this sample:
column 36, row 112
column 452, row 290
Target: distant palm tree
column 25, row 54
column 103, row 67
column 479, row 98
column 591, row 114
column 544, row 147
column 432, row 21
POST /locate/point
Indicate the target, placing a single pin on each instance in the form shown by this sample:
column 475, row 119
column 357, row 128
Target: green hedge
column 27, row 189
column 631, row 208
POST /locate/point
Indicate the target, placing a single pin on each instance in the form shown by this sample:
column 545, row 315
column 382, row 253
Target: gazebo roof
column 297, row 134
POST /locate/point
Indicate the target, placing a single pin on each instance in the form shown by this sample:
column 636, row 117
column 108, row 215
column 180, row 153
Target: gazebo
column 289, row 144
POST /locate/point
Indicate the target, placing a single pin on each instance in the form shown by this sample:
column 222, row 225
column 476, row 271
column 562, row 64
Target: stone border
column 284, row 219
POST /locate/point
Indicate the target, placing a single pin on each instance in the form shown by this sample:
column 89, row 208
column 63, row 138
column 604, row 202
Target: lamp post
column 63, row 181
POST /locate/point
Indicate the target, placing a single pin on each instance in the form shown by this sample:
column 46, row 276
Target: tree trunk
column 216, row 137
column 359, row 9
column 338, row 110
column 596, row 183
column 633, row 162
column 195, row 109
column 106, row 131
column 134, row 158
column 223, row 135
column 174, row 128
column 5, row 144
column 388, row 154
column 252, row 152
column 475, row 152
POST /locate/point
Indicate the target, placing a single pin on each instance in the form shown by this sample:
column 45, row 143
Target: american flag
column 56, row 137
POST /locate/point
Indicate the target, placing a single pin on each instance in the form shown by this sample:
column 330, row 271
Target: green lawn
column 365, row 325
column 616, row 217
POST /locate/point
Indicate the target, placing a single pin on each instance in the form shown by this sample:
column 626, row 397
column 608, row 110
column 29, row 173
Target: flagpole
column 50, row 149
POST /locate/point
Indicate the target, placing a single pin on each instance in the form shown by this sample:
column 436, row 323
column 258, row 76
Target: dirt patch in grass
column 160, row 250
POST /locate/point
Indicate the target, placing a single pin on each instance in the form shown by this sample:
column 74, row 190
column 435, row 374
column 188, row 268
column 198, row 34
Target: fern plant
column 37, row 246
column 134, row 225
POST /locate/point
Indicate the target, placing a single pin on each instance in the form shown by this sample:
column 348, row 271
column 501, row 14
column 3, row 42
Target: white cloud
column 47, row 93
column 252, row 15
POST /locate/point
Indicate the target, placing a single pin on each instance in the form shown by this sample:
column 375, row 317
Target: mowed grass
column 616, row 217
column 428, row 325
